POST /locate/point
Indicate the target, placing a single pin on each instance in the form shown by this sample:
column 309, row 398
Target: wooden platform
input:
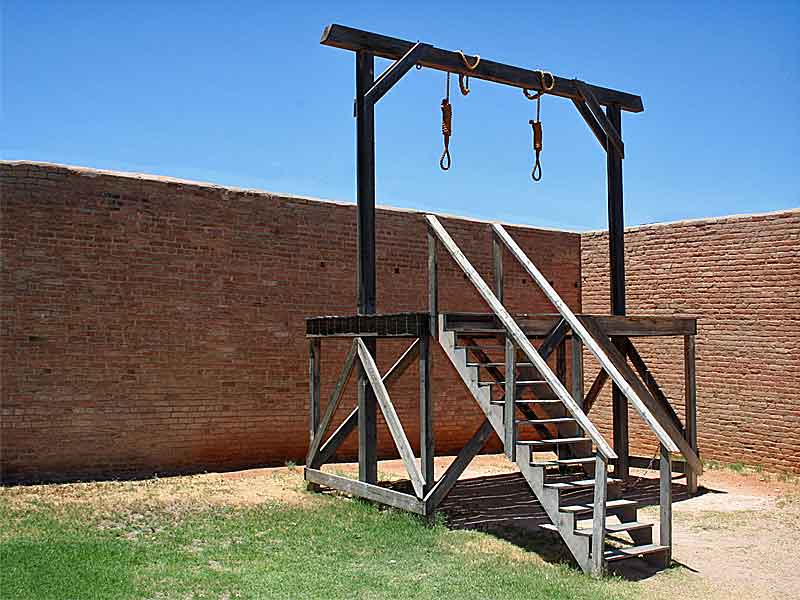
column 415, row 324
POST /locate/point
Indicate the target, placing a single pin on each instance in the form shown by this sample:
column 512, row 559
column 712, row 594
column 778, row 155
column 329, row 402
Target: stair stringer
column 548, row 498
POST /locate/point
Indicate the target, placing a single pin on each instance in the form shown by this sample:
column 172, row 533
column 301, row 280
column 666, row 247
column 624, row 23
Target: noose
column 447, row 127
column 463, row 80
column 536, row 125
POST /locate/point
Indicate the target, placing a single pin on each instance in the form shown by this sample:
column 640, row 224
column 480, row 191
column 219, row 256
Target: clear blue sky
column 241, row 93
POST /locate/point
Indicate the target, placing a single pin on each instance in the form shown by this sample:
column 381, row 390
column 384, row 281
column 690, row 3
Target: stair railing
column 520, row 339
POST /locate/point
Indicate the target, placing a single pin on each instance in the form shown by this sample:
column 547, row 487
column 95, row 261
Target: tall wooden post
column 690, row 391
column 616, row 256
column 365, row 196
column 426, row 441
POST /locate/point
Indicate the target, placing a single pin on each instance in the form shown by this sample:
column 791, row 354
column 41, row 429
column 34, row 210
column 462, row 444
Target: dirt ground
column 736, row 539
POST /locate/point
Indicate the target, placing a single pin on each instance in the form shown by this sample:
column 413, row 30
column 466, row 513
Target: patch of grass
column 333, row 548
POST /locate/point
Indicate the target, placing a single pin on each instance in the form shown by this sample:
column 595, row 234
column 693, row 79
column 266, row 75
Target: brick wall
column 156, row 325
column 741, row 277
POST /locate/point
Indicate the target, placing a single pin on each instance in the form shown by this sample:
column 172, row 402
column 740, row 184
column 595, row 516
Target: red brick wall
column 741, row 277
column 154, row 325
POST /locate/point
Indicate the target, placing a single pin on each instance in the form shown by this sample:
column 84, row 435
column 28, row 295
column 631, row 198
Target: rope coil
column 536, row 124
column 463, row 80
column 447, row 128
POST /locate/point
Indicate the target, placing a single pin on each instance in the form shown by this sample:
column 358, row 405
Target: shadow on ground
column 504, row 506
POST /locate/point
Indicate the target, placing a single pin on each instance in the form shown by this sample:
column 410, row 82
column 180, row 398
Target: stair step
column 577, row 484
column 588, row 508
column 497, row 364
column 564, row 461
column 524, row 382
column 633, row 551
column 546, row 421
column 554, row 442
column 615, row 528
column 530, row 401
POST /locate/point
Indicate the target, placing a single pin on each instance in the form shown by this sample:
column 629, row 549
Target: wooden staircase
column 557, row 448
column 557, row 459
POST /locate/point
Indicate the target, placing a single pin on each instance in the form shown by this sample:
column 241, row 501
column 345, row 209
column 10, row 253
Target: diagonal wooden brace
column 395, row 71
column 594, row 106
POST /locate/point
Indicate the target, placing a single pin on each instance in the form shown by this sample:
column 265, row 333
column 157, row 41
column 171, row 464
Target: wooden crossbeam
column 654, row 412
column 329, row 448
column 366, row 490
column 457, row 467
column 333, row 402
column 594, row 391
column 395, row 71
column 357, row 40
column 650, row 381
column 587, row 115
column 391, row 418
column 593, row 104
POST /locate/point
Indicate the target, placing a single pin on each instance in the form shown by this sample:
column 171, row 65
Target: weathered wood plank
column 580, row 330
column 587, row 115
column 652, row 408
column 509, row 410
column 433, row 285
column 366, row 490
column 333, row 403
column 519, row 337
column 650, row 382
column 395, row 71
column 612, row 133
column 357, row 40
column 599, row 516
column 426, row 429
column 594, row 390
column 690, row 392
column 497, row 267
column 665, row 502
column 391, row 418
column 329, row 448
column 314, row 349
column 468, row 452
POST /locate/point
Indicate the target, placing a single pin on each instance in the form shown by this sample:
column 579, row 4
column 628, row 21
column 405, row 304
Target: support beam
column 366, row 490
column 616, row 251
column 665, row 503
column 594, row 391
column 391, row 418
column 333, row 403
column 468, row 452
column 591, row 122
column 599, row 516
column 426, row 429
column 610, row 129
column 395, row 71
column 509, row 408
column 497, row 267
column 365, row 196
column 358, row 40
column 690, row 391
column 650, row 382
column 314, row 349
column 433, row 285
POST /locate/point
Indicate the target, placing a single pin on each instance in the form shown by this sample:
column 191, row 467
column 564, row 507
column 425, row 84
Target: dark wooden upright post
column 365, row 196
column 426, row 440
column 616, row 255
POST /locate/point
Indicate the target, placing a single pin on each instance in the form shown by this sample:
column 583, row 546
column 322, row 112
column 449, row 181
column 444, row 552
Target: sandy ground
column 736, row 539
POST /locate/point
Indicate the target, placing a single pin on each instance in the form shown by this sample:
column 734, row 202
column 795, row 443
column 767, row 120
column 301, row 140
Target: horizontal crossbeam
column 366, row 490
column 357, row 40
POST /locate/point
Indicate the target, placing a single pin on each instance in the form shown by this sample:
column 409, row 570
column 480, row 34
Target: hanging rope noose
column 536, row 125
column 447, row 127
column 463, row 80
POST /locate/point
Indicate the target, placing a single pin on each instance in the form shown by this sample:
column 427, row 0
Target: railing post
column 665, row 502
column 314, row 347
column 690, row 389
column 497, row 264
column 426, row 442
column 599, row 516
column 433, row 285
column 509, row 410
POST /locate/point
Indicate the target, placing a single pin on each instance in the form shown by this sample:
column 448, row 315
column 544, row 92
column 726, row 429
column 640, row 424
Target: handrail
column 579, row 330
column 519, row 338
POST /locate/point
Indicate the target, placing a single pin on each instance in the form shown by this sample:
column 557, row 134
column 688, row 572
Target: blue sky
column 241, row 93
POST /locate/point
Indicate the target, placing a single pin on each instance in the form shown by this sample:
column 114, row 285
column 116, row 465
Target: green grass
column 325, row 548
